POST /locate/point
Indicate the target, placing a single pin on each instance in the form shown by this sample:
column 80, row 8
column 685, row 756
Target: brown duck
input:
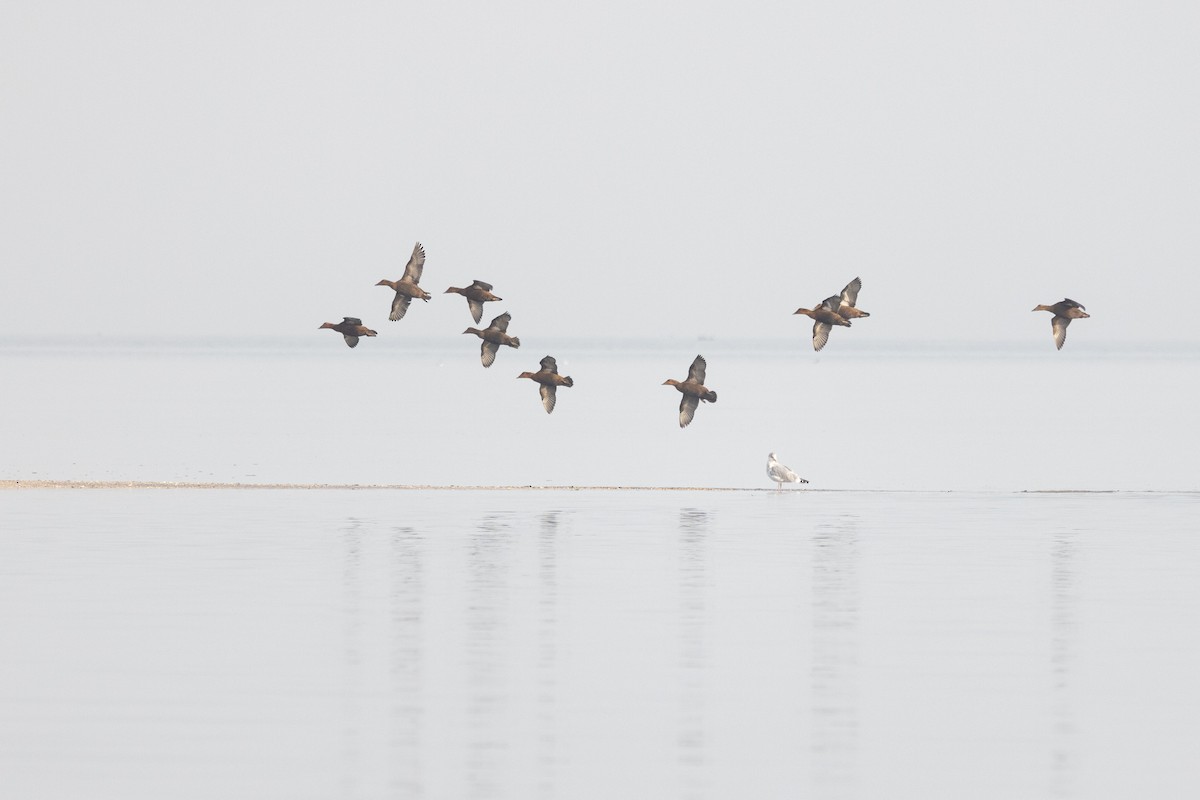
column 847, row 308
column 493, row 336
column 477, row 294
column 351, row 328
column 693, row 390
column 548, row 381
column 1064, row 311
column 406, row 288
column 824, row 316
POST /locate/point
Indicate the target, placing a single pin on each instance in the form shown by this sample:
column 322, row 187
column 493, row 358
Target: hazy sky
column 627, row 167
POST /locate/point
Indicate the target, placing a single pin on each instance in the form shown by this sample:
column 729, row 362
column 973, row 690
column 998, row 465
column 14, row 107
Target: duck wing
column 399, row 307
column 487, row 352
column 697, row 369
column 687, row 409
column 476, row 308
column 415, row 265
column 820, row 334
column 351, row 321
column 1069, row 303
column 487, row 287
column 351, row 340
column 500, row 323
column 850, row 293
column 549, row 395
column 1059, row 326
column 549, row 365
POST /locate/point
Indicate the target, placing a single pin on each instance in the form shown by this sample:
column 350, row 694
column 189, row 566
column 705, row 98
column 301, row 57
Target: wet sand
column 60, row 484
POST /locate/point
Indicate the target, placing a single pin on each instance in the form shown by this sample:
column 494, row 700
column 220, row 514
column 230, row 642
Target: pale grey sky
column 629, row 167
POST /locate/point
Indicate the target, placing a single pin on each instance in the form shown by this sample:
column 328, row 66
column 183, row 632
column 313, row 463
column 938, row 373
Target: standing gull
column 493, row 336
column 406, row 288
column 477, row 294
column 781, row 474
column 548, row 381
column 351, row 328
column 1064, row 311
column 693, row 390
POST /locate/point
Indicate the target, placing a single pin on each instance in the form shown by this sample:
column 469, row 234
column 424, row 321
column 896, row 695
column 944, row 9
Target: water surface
column 567, row 644
column 399, row 410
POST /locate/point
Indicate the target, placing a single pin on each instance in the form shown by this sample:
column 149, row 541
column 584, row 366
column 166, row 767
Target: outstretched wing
column 487, row 352
column 548, row 393
column 351, row 341
column 687, row 409
column 850, row 293
column 487, row 287
column 697, row 369
column 351, row 321
column 500, row 323
column 820, row 334
column 1059, row 326
column 476, row 309
column 399, row 307
column 415, row 265
column 1069, row 303
column 550, row 365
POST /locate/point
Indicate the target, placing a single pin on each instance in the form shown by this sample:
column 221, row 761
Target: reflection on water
column 693, row 617
column 588, row 646
column 352, row 633
column 835, row 605
column 547, row 658
column 1063, row 632
column 489, row 552
column 405, row 600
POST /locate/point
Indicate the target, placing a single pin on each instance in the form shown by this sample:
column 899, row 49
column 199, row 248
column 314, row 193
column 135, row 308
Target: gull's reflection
column 488, row 556
column 406, row 588
column 693, row 612
column 1062, row 656
column 836, row 601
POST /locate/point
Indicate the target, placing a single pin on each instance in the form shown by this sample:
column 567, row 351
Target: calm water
column 413, row 411
column 959, row 638
column 565, row 644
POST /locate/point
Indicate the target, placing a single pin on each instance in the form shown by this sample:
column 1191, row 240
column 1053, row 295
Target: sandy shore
column 55, row 484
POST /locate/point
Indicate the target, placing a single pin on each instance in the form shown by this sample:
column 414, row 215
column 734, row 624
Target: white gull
column 780, row 473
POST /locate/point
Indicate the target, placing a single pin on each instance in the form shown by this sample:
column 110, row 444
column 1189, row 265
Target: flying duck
column 493, row 336
column 1064, row 311
column 848, row 299
column 548, row 381
column 351, row 328
column 406, row 288
column 477, row 294
column 693, row 390
column 824, row 317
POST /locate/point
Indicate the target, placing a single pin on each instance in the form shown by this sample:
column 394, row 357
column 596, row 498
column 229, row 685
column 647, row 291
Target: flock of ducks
column 837, row 310
column 408, row 288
